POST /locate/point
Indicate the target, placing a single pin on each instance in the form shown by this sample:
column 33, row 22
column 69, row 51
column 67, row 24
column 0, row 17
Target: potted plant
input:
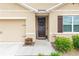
column 28, row 41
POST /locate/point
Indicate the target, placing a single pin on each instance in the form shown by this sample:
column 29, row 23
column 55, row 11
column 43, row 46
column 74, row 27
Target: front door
column 41, row 27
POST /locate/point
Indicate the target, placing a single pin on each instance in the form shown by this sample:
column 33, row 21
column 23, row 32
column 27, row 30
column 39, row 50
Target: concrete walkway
column 41, row 46
column 17, row 49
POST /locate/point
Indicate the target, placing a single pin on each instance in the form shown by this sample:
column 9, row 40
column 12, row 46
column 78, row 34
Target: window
column 70, row 23
column 67, row 23
column 76, row 24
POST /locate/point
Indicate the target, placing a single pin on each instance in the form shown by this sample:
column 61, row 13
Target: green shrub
column 63, row 44
column 40, row 54
column 76, row 41
column 55, row 54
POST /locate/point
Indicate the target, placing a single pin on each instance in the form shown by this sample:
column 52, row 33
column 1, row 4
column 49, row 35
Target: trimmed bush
column 76, row 41
column 63, row 44
column 55, row 54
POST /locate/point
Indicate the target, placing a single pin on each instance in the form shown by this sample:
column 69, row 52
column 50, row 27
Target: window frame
column 72, row 19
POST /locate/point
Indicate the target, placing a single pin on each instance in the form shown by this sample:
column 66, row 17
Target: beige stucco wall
column 14, row 11
column 30, row 17
column 68, row 6
column 30, row 26
column 53, row 18
column 11, row 6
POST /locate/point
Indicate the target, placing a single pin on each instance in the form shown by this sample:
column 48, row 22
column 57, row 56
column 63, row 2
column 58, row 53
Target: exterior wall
column 11, row 6
column 68, row 6
column 53, row 20
column 30, row 21
column 14, row 11
column 30, row 26
column 52, row 25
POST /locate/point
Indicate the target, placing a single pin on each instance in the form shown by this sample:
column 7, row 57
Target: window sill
column 66, row 33
column 70, row 32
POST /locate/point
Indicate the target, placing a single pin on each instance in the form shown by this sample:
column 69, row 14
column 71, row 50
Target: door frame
column 47, row 26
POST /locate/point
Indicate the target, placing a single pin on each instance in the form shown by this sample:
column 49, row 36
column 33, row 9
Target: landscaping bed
column 67, row 46
column 72, row 53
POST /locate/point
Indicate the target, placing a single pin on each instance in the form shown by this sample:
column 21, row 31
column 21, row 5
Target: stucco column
column 52, row 26
column 30, row 26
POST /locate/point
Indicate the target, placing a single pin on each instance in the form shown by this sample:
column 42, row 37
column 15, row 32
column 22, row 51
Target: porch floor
column 15, row 49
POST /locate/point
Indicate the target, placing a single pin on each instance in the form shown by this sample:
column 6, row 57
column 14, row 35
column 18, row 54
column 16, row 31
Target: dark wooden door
column 41, row 26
